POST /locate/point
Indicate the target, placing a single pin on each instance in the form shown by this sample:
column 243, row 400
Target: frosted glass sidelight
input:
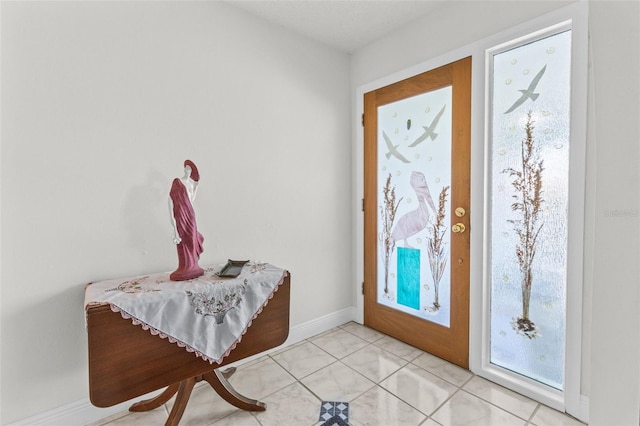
column 414, row 181
column 529, row 176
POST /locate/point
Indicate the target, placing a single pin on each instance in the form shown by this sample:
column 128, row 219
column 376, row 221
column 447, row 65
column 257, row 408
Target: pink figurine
column 183, row 217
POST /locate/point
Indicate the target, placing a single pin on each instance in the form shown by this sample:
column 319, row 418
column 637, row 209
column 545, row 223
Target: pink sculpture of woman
column 186, row 236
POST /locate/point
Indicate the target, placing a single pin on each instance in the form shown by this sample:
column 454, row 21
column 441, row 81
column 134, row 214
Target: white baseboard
column 82, row 412
column 320, row 325
column 78, row 413
column 584, row 409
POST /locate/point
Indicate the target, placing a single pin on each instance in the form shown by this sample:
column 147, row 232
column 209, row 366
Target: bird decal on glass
column 429, row 131
column 528, row 93
column 393, row 149
column 416, row 220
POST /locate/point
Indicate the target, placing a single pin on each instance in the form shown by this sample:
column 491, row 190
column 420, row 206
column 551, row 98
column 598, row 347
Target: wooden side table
column 126, row 361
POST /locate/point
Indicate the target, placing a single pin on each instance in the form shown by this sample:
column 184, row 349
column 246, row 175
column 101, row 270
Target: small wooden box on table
column 126, row 361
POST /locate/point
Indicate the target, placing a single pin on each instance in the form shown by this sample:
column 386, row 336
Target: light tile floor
column 385, row 381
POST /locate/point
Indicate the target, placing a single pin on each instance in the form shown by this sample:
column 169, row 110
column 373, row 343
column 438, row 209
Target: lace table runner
column 207, row 315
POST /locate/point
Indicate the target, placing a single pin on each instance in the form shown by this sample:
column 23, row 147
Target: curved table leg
column 217, row 380
column 150, row 404
column 219, row 383
column 228, row 372
column 184, row 392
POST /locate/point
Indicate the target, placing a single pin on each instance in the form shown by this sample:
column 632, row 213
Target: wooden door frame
column 450, row 343
column 477, row 171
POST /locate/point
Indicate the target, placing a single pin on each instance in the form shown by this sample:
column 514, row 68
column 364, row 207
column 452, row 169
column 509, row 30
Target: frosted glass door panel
column 529, row 163
column 414, row 181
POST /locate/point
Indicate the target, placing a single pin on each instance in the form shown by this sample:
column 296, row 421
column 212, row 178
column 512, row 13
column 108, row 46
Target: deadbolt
column 459, row 211
column 458, row 228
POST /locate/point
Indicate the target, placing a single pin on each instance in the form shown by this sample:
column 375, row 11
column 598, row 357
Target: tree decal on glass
column 388, row 214
column 530, row 121
column 435, row 248
column 527, row 183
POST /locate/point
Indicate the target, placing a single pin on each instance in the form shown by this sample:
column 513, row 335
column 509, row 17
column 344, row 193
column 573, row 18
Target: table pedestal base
column 217, row 380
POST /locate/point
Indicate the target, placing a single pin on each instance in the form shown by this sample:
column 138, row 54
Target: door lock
column 459, row 211
column 458, row 228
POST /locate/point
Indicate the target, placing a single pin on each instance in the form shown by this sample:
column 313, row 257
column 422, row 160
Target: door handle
column 458, row 228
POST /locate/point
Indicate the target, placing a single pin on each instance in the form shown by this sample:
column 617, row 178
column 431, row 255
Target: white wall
column 611, row 345
column 615, row 145
column 101, row 104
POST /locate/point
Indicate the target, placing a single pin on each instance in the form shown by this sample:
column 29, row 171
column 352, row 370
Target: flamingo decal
column 416, row 220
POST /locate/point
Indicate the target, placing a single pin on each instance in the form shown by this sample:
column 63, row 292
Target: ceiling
column 343, row 24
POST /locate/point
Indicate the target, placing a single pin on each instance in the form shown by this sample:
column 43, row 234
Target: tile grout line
column 535, row 411
column 403, row 401
column 325, row 351
column 336, row 360
column 443, row 378
column 378, row 383
column 320, row 399
column 526, row 420
column 458, row 389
